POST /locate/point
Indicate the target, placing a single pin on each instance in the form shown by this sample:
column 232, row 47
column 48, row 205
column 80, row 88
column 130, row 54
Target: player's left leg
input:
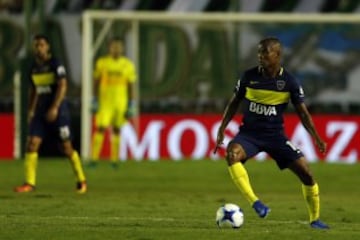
column 115, row 145
column 118, row 121
column 289, row 156
column 75, row 161
column 62, row 127
column 310, row 190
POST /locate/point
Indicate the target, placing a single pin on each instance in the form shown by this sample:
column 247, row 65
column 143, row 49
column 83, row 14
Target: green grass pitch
column 173, row 200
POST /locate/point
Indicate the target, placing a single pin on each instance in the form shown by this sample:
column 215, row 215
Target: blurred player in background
column 48, row 114
column 114, row 88
column 264, row 92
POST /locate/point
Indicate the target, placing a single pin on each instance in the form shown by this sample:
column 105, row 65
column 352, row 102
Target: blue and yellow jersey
column 264, row 100
column 114, row 75
column 44, row 78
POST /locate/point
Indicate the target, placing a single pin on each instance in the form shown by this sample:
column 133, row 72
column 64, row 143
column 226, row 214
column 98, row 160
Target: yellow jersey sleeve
column 98, row 68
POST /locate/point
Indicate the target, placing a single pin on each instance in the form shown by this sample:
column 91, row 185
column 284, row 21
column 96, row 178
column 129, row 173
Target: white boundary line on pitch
column 154, row 219
column 91, row 218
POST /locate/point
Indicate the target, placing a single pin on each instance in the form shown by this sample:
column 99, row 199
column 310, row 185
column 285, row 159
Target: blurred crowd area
column 77, row 6
column 326, row 59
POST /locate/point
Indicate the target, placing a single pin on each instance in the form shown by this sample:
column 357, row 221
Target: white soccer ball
column 229, row 215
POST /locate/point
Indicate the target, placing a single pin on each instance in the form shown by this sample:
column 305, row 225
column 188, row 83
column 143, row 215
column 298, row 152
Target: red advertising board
column 7, row 136
column 193, row 137
column 190, row 136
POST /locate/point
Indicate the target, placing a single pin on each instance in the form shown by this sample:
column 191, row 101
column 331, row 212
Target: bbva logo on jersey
column 262, row 109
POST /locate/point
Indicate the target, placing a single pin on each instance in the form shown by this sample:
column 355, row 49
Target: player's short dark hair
column 41, row 36
column 116, row 39
column 269, row 40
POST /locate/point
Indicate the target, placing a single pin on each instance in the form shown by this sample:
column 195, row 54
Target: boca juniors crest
column 280, row 84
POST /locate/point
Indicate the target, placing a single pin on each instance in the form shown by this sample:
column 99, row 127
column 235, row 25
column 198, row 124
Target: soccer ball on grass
column 229, row 215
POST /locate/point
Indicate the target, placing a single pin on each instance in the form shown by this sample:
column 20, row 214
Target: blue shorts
column 278, row 146
column 59, row 129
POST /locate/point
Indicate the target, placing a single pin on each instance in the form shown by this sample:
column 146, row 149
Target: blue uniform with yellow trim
column 263, row 102
column 44, row 78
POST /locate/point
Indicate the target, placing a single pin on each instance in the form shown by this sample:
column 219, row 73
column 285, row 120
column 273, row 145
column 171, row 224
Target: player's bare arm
column 229, row 113
column 308, row 123
column 59, row 97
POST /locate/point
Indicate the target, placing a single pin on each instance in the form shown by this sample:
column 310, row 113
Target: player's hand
column 94, row 105
column 52, row 114
column 321, row 145
column 219, row 139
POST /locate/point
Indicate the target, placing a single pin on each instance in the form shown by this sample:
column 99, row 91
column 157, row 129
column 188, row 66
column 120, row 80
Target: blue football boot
column 261, row 209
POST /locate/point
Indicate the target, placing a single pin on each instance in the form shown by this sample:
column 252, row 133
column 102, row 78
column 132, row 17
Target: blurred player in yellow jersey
column 114, row 88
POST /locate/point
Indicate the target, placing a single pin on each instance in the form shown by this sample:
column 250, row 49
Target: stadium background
column 330, row 66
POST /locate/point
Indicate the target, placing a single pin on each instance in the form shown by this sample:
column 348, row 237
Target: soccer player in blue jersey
column 264, row 92
column 48, row 114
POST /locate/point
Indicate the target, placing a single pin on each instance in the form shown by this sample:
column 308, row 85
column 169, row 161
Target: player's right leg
column 97, row 143
column 103, row 119
column 30, row 165
column 235, row 155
